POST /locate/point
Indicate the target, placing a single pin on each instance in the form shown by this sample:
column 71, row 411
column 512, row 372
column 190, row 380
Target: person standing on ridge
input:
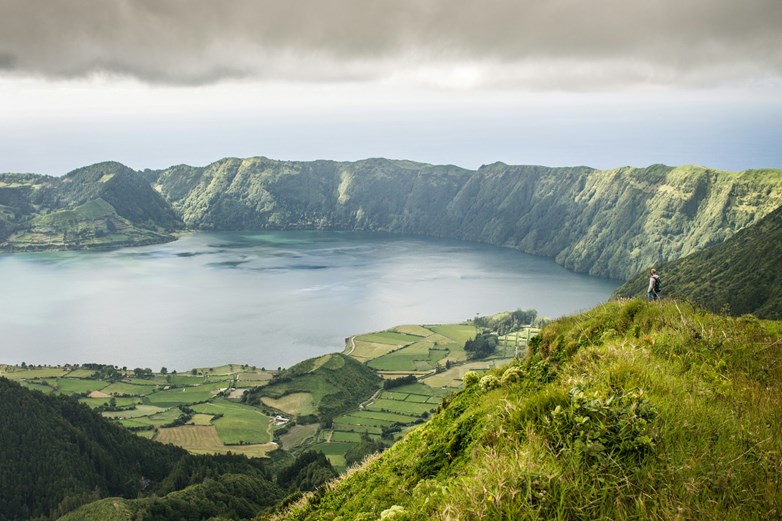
column 654, row 285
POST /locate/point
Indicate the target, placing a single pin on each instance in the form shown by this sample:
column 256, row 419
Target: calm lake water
column 265, row 299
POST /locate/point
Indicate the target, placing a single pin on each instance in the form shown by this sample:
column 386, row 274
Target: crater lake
column 268, row 299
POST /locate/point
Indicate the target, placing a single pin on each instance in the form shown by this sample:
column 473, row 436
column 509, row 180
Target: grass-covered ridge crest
column 633, row 410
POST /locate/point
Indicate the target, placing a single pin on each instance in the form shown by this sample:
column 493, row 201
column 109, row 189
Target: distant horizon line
column 381, row 158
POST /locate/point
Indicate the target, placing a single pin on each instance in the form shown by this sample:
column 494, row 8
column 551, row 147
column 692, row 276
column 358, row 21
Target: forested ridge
column 58, row 455
column 610, row 223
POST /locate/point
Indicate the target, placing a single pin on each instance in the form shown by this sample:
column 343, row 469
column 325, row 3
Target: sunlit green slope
column 106, row 205
column 741, row 275
column 633, row 410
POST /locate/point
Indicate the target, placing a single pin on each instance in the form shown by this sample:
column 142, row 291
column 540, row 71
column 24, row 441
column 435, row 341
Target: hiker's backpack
column 657, row 285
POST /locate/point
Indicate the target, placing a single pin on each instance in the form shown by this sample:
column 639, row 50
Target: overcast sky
column 606, row 83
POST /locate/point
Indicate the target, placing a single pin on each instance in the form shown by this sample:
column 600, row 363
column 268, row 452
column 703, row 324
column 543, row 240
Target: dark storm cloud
column 538, row 43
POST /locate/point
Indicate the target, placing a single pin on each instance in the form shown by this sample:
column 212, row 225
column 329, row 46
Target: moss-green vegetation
column 336, row 383
column 238, row 423
column 106, row 205
column 633, row 410
column 742, row 275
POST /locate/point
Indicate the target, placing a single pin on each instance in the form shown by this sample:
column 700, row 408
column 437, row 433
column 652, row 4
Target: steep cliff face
column 610, row 223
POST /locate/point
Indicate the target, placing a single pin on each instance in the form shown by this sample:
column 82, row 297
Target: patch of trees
column 138, row 372
column 481, row 346
column 360, row 451
column 56, row 452
column 507, row 322
column 398, row 382
column 310, row 470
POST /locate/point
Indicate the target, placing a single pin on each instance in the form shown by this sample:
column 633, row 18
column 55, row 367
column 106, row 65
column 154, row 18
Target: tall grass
column 633, row 410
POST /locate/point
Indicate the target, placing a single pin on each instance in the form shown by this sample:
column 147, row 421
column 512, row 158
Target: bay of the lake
column 266, row 299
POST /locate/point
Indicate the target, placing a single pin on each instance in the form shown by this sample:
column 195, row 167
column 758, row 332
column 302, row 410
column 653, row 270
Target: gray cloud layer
column 570, row 44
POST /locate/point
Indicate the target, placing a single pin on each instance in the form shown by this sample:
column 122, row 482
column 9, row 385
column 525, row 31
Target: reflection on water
column 266, row 299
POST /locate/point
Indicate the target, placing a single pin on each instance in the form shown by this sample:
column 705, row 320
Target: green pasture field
column 417, row 398
column 419, row 388
column 201, row 419
column 128, row 389
column 412, row 329
column 79, row 373
column 139, row 411
column 184, row 395
column 307, row 383
column 36, row 386
column 292, row 404
column 394, row 395
column 78, row 385
column 184, row 379
column 13, row 372
column 420, row 356
column 122, row 401
column 369, row 350
column 240, row 423
column 203, row 439
column 254, row 378
column 335, row 452
column 298, row 434
column 385, row 416
column 352, row 437
column 148, row 382
column 155, row 420
column 400, row 407
column 389, row 337
column 459, row 333
column 350, row 420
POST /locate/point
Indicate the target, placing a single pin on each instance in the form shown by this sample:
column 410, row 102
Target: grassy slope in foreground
column 633, row 410
column 741, row 275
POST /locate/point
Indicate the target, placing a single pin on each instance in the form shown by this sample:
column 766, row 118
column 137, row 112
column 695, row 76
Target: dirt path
column 353, row 345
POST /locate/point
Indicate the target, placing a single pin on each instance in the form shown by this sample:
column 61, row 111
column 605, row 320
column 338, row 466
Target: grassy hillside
column 106, row 205
column 741, row 275
column 633, row 410
column 332, row 384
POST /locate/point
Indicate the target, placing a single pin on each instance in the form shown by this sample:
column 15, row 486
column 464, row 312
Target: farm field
column 200, row 439
column 231, row 408
column 415, row 349
column 292, row 404
column 239, row 423
column 298, row 435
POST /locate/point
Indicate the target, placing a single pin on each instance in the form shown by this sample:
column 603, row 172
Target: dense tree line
column 359, row 451
column 398, row 382
column 308, row 471
column 54, row 449
column 57, row 455
column 481, row 346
